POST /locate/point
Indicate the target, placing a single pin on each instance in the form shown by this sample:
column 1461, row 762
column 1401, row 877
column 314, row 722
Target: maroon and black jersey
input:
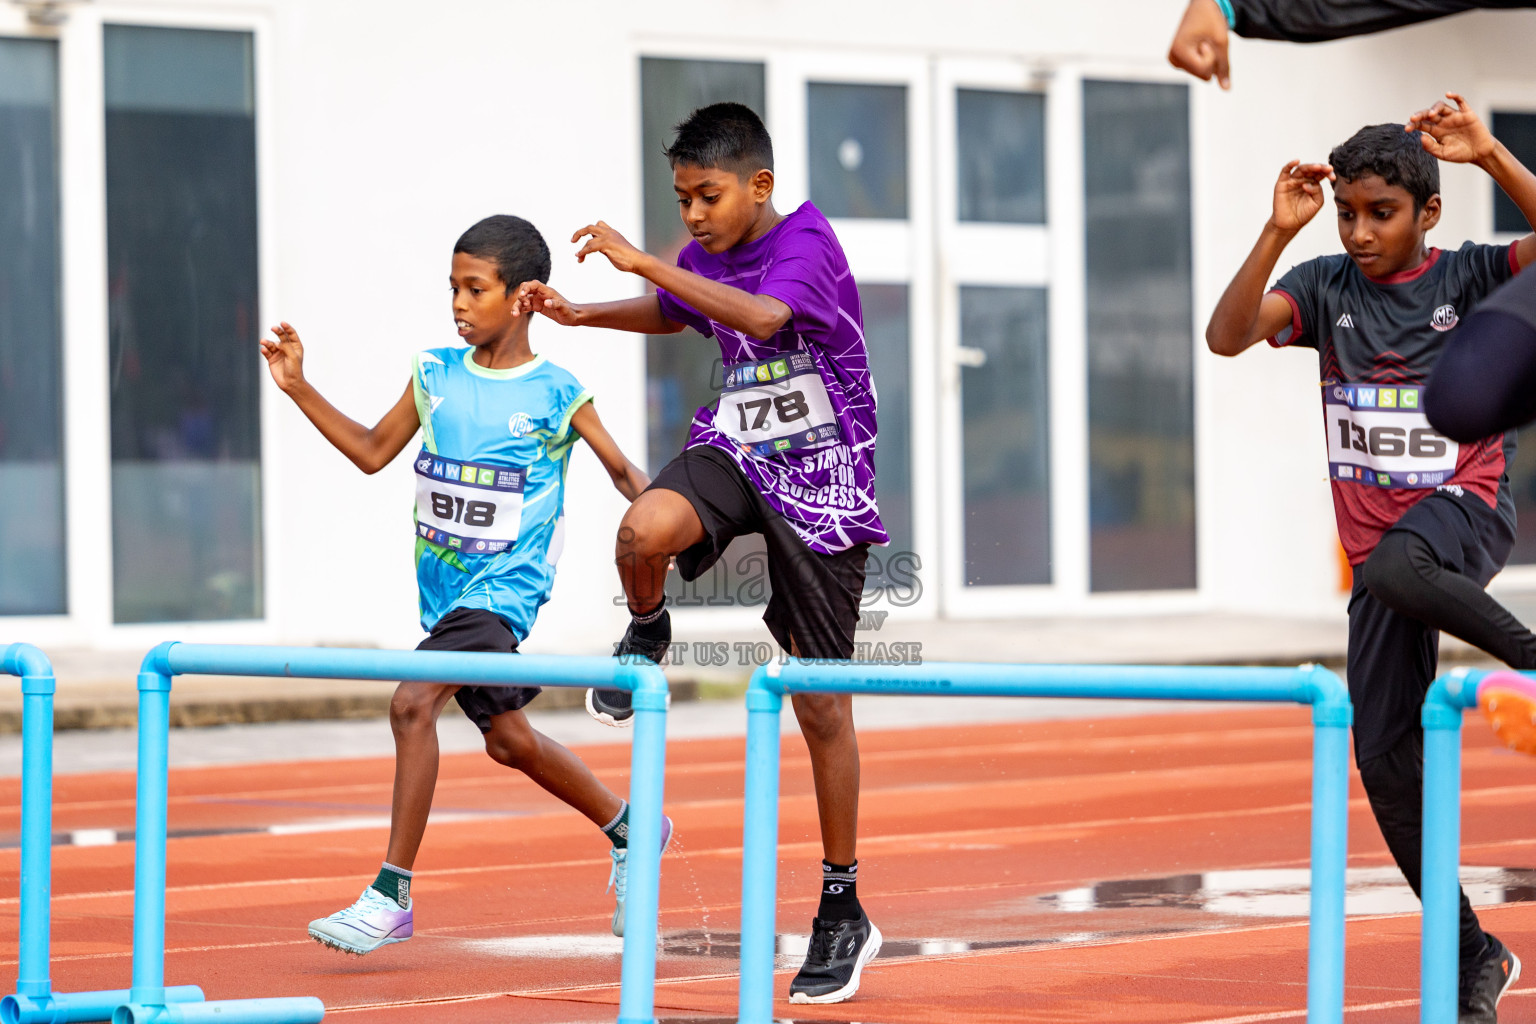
column 1377, row 341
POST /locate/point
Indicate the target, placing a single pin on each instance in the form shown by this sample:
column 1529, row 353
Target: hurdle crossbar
column 1307, row 684
column 148, row 1002
column 1439, row 945
column 34, row 1001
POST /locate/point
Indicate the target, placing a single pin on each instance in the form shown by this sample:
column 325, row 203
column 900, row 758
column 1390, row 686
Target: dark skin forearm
column 641, row 315
column 1234, row 325
column 757, row 316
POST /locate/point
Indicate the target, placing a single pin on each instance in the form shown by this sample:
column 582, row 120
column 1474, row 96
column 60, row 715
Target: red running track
column 1048, row 871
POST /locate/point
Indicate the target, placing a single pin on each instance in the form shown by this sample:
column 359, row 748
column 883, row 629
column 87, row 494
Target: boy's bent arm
column 627, row 477
column 757, row 316
column 1457, row 135
column 1246, row 314
column 369, row 448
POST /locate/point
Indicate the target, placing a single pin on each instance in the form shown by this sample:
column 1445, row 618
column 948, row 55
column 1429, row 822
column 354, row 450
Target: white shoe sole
column 605, row 717
column 332, row 942
column 869, row 952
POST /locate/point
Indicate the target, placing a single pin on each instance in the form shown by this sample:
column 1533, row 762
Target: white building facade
column 1040, row 213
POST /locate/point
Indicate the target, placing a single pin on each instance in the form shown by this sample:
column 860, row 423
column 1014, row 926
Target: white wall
column 388, row 128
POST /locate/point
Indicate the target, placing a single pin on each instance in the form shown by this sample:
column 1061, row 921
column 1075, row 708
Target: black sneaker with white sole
column 1484, row 983
column 616, row 707
column 836, row 956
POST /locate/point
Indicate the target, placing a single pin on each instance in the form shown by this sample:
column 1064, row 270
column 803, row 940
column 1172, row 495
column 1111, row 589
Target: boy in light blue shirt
column 498, row 424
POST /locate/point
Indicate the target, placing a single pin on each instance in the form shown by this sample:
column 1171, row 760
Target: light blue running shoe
column 374, row 920
column 618, row 878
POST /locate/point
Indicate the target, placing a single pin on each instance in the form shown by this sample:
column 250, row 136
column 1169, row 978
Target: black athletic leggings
column 1407, row 575
column 1394, row 783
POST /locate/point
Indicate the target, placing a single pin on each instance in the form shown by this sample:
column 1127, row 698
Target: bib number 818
column 457, row 510
column 1421, row 442
column 790, row 407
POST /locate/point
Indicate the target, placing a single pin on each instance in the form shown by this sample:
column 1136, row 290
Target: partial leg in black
column 1392, row 660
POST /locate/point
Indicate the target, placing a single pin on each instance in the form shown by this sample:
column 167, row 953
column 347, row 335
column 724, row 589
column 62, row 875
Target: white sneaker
column 374, row 920
column 618, row 878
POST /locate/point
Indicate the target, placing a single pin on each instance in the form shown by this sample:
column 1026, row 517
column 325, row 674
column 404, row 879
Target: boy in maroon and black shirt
column 1426, row 522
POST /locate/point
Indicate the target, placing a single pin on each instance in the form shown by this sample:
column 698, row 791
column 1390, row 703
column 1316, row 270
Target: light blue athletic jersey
column 490, row 483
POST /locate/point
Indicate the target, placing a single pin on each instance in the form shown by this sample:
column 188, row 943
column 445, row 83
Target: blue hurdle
column 149, row 1001
column 34, row 1001
column 1308, row 684
column 1439, row 945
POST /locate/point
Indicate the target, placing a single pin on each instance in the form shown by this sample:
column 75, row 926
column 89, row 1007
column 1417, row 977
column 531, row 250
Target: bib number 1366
column 1378, row 436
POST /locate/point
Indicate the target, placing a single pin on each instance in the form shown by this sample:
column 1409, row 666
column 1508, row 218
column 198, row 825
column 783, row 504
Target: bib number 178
column 790, row 407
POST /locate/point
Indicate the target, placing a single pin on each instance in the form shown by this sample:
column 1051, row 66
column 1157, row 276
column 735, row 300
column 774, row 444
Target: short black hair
column 514, row 245
column 729, row 136
column 1392, row 154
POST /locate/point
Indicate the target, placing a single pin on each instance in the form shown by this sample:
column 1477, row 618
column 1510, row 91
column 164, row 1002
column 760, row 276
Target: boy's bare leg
column 658, row 525
column 514, row 742
column 413, row 713
column 826, row 721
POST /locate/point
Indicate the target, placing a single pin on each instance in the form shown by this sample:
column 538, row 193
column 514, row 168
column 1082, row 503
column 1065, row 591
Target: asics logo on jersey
column 1345, row 321
column 519, row 424
column 1445, row 318
column 433, row 401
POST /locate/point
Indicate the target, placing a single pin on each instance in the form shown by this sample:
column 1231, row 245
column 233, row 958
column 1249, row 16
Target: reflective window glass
column 1000, row 149
column 182, row 287
column 1518, row 133
column 1141, row 452
column 858, row 149
column 683, row 371
column 1005, row 430
column 32, row 554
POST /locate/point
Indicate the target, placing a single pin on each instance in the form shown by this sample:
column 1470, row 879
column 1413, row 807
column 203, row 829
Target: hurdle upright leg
column 760, row 851
column 637, row 983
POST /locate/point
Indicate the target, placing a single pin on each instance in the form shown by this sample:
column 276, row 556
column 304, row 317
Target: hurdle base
column 295, row 1010
column 77, row 1007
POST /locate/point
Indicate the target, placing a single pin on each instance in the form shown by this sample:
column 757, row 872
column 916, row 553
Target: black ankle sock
column 839, row 892
column 394, row 883
column 654, row 626
column 617, row 830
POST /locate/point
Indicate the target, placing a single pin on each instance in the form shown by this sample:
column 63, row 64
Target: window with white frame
column 183, row 308
column 32, row 542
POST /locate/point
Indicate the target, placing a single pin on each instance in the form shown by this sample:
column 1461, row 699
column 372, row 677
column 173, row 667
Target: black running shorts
column 1392, row 658
column 815, row 597
column 475, row 629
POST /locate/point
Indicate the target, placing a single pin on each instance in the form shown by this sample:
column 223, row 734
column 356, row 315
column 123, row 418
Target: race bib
column 1380, row 437
column 777, row 405
column 468, row 506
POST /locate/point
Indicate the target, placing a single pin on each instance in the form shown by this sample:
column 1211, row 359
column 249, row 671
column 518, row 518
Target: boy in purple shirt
column 788, row 451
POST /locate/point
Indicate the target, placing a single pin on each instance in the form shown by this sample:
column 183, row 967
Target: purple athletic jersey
column 796, row 412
